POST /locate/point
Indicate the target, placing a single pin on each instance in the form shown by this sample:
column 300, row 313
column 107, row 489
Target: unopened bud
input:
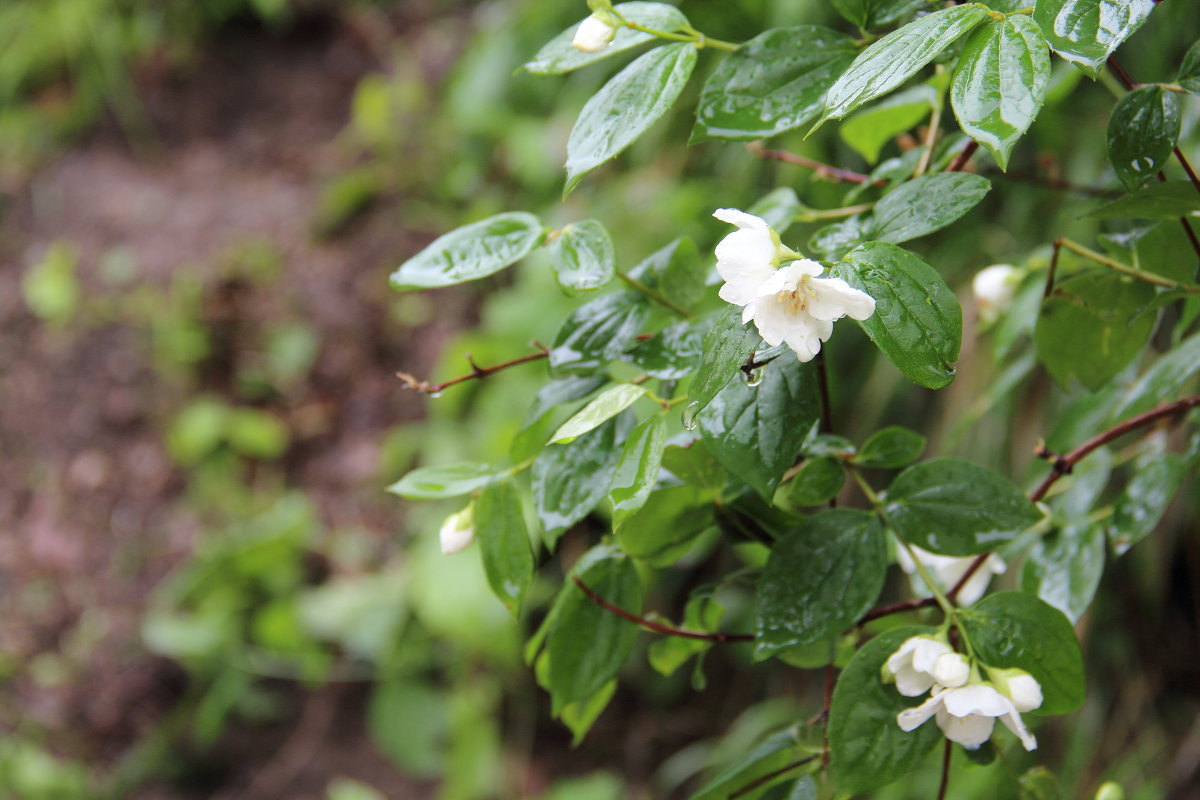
column 994, row 288
column 458, row 530
column 595, row 33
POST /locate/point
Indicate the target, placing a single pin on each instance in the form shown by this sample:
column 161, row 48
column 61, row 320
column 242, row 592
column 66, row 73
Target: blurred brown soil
column 89, row 522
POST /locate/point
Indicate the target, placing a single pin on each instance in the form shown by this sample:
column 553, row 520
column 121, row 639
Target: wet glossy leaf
column 1163, row 381
column 605, row 406
column 867, row 748
column 569, row 480
column 588, row 644
column 917, row 321
column 435, row 483
column 1092, row 326
column 923, row 205
column 1142, row 132
column 677, row 271
column 597, row 332
column 672, row 353
column 582, row 257
column 870, row 129
column 532, row 435
column 956, row 508
column 819, row 580
column 471, row 252
column 694, row 465
column 835, row 240
column 868, row 14
column 1189, row 70
column 1064, row 568
column 504, row 543
column 637, row 469
column 896, row 57
column 560, row 56
column 1013, row 629
column 727, row 345
column 891, row 448
column 756, row 432
column 666, row 524
column 773, row 83
column 773, row 754
column 1086, row 32
column 1165, row 200
column 626, row 106
column 818, row 481
column 1157, row 476
column 1000, row 83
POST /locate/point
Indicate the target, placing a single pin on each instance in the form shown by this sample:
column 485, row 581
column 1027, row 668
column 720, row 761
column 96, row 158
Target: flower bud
column 594, row 33
column 994, row 288
column 1020, row 687
column 951, row 670
column 458, row 530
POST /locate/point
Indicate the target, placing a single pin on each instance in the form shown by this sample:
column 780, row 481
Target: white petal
column 744, row 262
column 977, row 698
column 951, row 670
column 592, row 35
column 911, row 683
column 805, row 266
column 912, row 718
column 835, row 299
column 778, row 281
column 901, row 656
column 1025, row 692
column 1013, row 723
column 457, row 531
column 740, row 218
column 927, row 652
column 969, row 731
column 773, row 321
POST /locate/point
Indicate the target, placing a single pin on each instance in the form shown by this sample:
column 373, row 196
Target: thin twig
column 1187, row 167
column 770, row 776
column 1052, row 268
column 945, row 772
column 658, row 627
column 963, row 157
column 830, row 173
column 476, row 372
column 823, row 387
column 897, row 608
column 830, row 682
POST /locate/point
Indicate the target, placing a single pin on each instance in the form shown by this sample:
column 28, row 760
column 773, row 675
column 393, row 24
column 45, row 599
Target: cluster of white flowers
column 787, row 303
column 947, row 571
column 966, row 707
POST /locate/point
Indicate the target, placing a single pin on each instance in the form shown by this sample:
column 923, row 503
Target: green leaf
column 702, row 614
column 1000, row 83
column 605, row 406
column 1157, row 475
column 666, row 524
column 1086, row 32
column 772, row 755
column 597, row 332
column 560, row 56
column 834, row 241
column 819, row 580
column 818, row 481
column 677, row 271
column 582, row 257
column 870, row 14
column 778, row 207
column 923, row 205
column 673, row 352
column 867, row 748
column 504, row 543
column 531, row 437
column 1092, row 326
column 896, row 57
column 773, row 83
column 917, row 321
column 1189, row 70
column 1013, row 629
column 727, row 345
column 956, row 508
column 588, row 644
column 891, row 448
column 581, row 715
column 626, row 106
column 407, row 719
column 694, row 465
column 637, row 470
column 1142, row 132
column 870, row 129
column 756, row 432
column 569, row 481
column 1064, row 568
column 474, row 251
column 1165, row 249
column 1163, row 200
column 435, row 483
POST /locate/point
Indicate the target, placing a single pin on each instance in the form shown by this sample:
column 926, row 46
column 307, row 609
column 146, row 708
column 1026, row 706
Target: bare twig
column 1058, row 243
column 829, row 173
column 476, row 372
column 945, row 772
column 658, row 627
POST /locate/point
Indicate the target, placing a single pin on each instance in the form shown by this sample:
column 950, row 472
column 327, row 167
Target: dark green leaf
column 835, row 240
column 727, row 345
column 1064, row 568
column 869, row 14
column 924, row 205
column 471, row 252
column 676, row 270
column 772, row 755
column 598, row 331
column 673, row 352
column 917, row 321
column 605, row 406
column 818, row 481
column 1086, row 32
column 756, row 431
column 1166, row 250
column 588, row 644
column 773, row 83
column 666, row 524
column 891, row 448
column 582, row 257
column 896, row 57
column 1092, row 326
column 504, row 543
column 867, row 748
column 1000, row 83
column 560, row 56
column 1189, row 70
column 1142, row 132
column 1156, row 477
column 637, row 469
column 435, row 483
column 694, row 465
column 956, row 508
column 819, row 580
column 1164, row 200
column 626, row 106
column 870, row 129
column 1012, row 629
column 1163, row 381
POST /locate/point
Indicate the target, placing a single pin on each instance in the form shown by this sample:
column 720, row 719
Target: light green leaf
column 582, row 257
column 1000, row 83
column 605, row 406
column 582, row 714
column 870, row 129
column 474, row 251
column 435, row 483
column 917, row 321
column 1164, row 200
column 923, row 205
column 956, row 508
column 1142, row 133
column 819, row 580
column 1157, row 476
column 890, row 448
column 727, row 345
column 778, row 207
column 666, row 524
column 1086, row 32
column 626, row 106
column 896, row 57
column 1064, row 568
column 560, row 56
column 637, row 470
column 504, row 543
column 773, row 83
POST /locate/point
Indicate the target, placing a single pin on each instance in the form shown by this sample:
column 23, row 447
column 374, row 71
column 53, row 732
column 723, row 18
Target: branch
column 963, row 157
column 477, row 372
column 829, row 173
column 945, row 772
column 658, row 627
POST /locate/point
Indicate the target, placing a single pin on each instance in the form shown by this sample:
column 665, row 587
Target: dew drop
column 754, row 378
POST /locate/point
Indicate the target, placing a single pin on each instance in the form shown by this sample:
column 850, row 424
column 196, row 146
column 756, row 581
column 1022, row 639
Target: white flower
column 593, row 34
column 1019, row 686
column 458, row 530
column 994, row 288
column 923, row 661
column 790, row 303
column 967, row 715
column 948, row 570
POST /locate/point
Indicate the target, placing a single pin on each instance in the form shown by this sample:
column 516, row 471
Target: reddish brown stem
column 1187, row 167
column 1052, row 268
column 897, row 608
column 945, row 772
column 658, row 627
column 960, row 160
column 476, row 372
column 835, row 174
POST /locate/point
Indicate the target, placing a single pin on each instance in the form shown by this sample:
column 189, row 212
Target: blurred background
column 206, row 592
